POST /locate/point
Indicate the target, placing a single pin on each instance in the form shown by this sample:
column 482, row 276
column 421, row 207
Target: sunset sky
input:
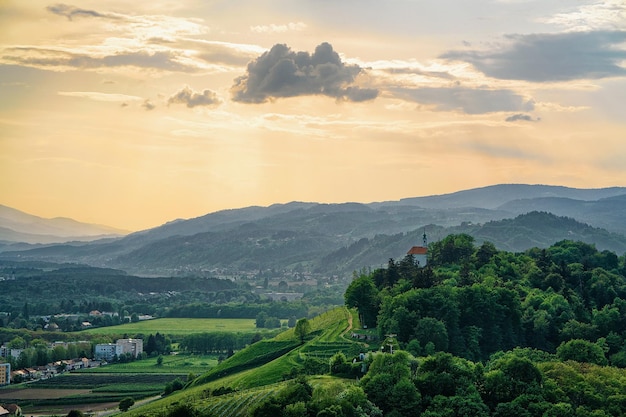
column 134, row 113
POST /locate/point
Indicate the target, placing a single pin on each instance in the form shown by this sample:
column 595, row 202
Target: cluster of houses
column 53, row 369
column 103, row 353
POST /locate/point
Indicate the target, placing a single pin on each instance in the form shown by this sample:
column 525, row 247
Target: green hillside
column 253, row 373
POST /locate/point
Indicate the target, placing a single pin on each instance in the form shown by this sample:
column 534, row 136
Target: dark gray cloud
column 552, row 57
column 467, row 100
column 40, row 57
column 72, row 11
column 192, row 99
column 521, row 117
column 281, row 72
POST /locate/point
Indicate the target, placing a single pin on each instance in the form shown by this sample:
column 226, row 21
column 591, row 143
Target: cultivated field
column 178, row 326
column 55, row 396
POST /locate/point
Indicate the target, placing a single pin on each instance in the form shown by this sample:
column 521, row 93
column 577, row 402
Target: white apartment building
column 132, row 346
column 107, row 351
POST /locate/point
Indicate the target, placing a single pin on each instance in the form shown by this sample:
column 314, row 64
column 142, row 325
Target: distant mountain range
column 17, row 226
column 339, row 238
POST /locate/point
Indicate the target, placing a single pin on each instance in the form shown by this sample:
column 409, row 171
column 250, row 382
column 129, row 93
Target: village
column 103, row 353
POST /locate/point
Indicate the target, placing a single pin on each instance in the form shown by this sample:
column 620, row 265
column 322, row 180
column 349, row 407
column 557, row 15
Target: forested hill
column 540, row 333
column 473, row 301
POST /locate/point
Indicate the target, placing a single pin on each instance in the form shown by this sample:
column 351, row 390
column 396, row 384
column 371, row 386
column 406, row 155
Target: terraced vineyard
column 258, row 371
column 325, row 350
column 235, row 405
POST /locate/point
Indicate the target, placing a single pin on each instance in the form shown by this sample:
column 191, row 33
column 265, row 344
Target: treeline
column 80, row 289
column 521, row 383
column 474, row 301
column 240, row 310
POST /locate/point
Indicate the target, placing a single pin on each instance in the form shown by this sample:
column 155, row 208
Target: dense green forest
column 486, row 333
column 475, row 301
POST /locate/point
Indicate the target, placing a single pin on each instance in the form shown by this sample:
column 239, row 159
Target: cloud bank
column 552, row 57
column 467, row 100
column 281, row 72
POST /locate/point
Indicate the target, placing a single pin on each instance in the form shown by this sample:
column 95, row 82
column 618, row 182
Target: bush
column 126, row 403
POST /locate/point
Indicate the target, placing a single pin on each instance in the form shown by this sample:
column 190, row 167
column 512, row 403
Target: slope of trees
column 494, row 333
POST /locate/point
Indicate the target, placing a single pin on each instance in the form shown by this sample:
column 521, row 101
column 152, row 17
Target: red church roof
column 417, row 250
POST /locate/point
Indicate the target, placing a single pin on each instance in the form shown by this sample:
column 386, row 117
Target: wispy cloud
column 272, row 28
column 609, row 15
column 72, row 11
column 59, row 59
column 98, row 96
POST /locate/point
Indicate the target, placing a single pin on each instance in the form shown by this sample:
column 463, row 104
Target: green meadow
column 179, row 327
column 172, row 364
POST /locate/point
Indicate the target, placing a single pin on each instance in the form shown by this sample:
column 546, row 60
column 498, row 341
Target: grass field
column 176, row 326
column 172, row 364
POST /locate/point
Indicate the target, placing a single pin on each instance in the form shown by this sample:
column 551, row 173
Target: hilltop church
column 420, row 252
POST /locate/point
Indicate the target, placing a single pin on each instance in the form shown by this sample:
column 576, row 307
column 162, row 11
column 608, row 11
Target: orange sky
column 132, row 114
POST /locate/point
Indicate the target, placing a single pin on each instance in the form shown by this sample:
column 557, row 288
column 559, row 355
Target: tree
column 581, row 351
column 339, row 364
column 75, row 413
column 303, row 327
column 256, row 338
column 126, row 403
column 362, row 294
column 260, row 319
column 429, row 329
column 17, row 342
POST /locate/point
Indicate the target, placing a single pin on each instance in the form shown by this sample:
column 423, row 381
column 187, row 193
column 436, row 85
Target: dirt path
column 343, row 334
